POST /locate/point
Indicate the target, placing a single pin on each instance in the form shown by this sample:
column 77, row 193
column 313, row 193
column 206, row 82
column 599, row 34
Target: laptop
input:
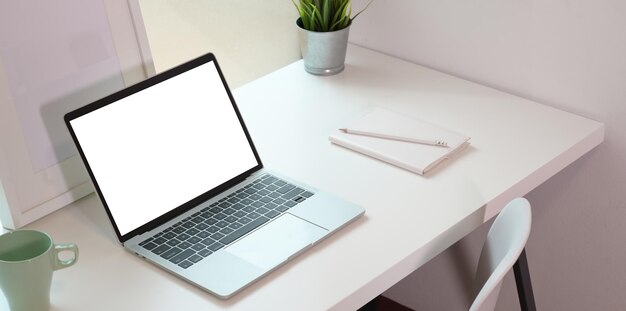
column 184, row 187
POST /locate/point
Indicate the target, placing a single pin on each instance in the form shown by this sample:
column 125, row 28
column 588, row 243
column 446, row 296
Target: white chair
column 505, row 242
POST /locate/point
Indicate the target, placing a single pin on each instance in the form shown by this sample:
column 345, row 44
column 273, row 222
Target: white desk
column 516, row 145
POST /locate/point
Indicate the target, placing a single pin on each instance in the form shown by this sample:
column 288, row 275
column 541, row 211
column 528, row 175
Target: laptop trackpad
column 274, row 243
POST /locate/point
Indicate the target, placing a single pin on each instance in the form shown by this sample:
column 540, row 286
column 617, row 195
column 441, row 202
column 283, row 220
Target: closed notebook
column 415, row 157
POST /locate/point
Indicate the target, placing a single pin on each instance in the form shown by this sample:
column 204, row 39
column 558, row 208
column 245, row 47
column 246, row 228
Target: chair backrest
column 505, row 242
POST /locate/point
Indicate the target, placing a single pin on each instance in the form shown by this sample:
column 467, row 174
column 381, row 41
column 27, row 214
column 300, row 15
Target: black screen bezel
column 115, row 97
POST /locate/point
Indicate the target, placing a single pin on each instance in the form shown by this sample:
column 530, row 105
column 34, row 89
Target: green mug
column 27, row 260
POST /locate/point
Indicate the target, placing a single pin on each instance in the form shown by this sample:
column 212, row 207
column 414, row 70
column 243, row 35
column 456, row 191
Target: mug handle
column 67, row 247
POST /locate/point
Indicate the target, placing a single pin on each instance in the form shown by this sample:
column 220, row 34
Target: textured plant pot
column 324, row 53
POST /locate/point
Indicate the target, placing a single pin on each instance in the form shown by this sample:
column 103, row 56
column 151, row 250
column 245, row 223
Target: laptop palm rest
column 277, row 241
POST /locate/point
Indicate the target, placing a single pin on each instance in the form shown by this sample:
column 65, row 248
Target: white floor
column 249, row 38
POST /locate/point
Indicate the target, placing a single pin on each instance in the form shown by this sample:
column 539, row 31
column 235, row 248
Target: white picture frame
column 47, row 69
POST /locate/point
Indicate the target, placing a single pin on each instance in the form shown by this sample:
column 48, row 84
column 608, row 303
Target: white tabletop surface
column 516, row 144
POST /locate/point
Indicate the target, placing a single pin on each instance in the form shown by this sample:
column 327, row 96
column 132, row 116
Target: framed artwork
column 48, row 68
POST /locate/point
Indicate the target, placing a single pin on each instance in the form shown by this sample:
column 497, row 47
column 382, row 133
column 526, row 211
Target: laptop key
column 307, row 194
column 161, row 249
column 289, row 195
column 169, row 235
column 272, row 214
column 194, row 231
column 183, row 236
column 216, row 246
column 254, row 215
column 266, row 199
column 208, row 241
column 185, row 264
column 210, row 221
column 243, row 230
column 198, row 247
column 159, row 240
column 179, row 230
column 195, row 258
column 274, row 195
column 182, row 256
column 172, row 242
column 284, row 189
column 194, row 240
column 269, row 180
column 205, row 252
column 221, row 224
column 290, row 204
column 171, row 253
column 245, row 220
column 203, row 234
column 145, row 242
column 230, row 219
column 235, row 225
column 184, row 245
column 217, row 236
column 226, row 230
column 270, row 205
column 279, row 201
column 149, row 245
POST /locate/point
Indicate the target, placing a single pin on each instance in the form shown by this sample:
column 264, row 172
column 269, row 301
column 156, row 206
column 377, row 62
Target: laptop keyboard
column 205, row 232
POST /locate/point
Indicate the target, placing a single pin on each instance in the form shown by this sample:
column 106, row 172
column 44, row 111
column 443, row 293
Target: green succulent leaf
column 326, row 15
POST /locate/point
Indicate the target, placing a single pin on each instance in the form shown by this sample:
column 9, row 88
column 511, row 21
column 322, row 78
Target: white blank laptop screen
column 154, row 150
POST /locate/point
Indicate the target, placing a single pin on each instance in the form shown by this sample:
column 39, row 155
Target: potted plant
column 324, row 26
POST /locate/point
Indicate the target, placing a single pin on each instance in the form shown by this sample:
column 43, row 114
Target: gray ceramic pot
column 324, row 53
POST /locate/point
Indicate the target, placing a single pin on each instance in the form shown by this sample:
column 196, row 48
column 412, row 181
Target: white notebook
column 415, row 157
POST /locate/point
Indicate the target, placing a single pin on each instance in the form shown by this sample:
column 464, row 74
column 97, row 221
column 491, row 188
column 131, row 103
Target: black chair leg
column 370, row 306
column 524, row 287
